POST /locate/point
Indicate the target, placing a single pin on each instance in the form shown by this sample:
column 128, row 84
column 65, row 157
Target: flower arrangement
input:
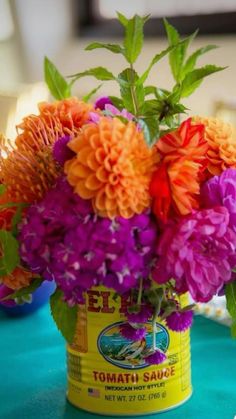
column 120, row 193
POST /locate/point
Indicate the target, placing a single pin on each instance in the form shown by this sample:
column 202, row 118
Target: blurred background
column 60, row 29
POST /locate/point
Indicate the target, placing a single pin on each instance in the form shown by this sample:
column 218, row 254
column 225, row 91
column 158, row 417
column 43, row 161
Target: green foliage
column 230, row 293
column 160, row 113
column 122, row 19
column 115, row 48
column 17, row 218
column 64, row 316
column 131, row 92
column 193, row 79
column 57, row 85
column 154, row 61
column 192, row 60
column 150, row 128
column 178, row 54
column 10, row 255
column 100, row 73
column 87, row 97
column 133, row 41
column 25, row 292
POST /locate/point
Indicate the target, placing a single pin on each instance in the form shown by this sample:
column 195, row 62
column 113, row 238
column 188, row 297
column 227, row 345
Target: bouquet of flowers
column 119, row 192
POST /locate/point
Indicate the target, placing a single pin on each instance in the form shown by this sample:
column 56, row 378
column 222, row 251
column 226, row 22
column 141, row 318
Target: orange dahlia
column 27, row 167
column 113, row 167
column 221, row 139
column 176, row 183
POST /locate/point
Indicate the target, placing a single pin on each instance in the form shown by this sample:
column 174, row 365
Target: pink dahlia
column 199, row 253
column 221, row 190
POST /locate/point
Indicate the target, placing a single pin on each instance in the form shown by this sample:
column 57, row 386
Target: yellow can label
column 104, row 366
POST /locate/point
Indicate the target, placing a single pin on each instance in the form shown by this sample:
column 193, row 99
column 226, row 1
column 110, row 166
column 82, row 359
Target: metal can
column 106, row 374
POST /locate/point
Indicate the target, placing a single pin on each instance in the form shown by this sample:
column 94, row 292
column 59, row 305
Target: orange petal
column 82, row 191
column 102, row 174
column 93, row 183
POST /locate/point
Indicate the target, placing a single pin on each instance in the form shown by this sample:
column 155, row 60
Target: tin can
column 106, row 374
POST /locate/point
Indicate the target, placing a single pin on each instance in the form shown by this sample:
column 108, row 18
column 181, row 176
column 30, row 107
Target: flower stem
column 133, row 93
column 154, row 329
column 140, row 291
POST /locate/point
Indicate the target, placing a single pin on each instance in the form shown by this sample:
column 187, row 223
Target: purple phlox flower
column 199, row 252
column 61, row 152
column 111, row 109
column 221, row 190
column 156, row 358
column 180, row 321
column 101, row 102
column 63, row 240
column 131, row 333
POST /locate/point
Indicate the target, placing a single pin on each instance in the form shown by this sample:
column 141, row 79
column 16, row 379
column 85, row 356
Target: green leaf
column 134, row 38
column 191, row 61
column 24, row 292
column 154, row 61
column 9, row 247
column 195, row 77
column 57, row 85
column 2, row 189
column 16, row 219
column 230, row 293
column 100, row 73
column 64, row 316
column 115, row 48
column 150, row 128
column 87, row 97
column 177, row 56
column 132, row 94
column 122, row 19
column 117, row 102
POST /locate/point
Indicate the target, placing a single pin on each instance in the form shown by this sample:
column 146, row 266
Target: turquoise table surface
column 33, row 372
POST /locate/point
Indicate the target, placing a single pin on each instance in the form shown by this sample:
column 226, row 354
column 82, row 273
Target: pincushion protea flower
column 176, row 183
column 221, row 139
column 28, row 167
column 113, row 167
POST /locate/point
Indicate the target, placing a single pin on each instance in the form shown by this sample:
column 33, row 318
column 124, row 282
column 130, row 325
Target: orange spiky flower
column 28, row 168
column 176, row 183
column 221, row 139
column 113, row 167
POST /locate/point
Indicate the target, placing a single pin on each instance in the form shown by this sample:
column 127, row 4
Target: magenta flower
column 101, row 102
column 62, row 153
column 61, row 238
column 129, row 332
column 4, row 292
column 199, row 252
column 221, row 190
column 180, row 321
column 156, row 358
column 142, row 316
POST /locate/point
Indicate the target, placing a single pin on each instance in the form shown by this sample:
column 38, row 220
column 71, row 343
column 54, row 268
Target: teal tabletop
column 33, row 372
